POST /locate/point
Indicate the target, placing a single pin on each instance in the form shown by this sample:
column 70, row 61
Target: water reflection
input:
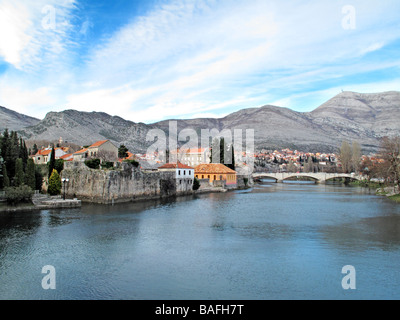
column 274, row 241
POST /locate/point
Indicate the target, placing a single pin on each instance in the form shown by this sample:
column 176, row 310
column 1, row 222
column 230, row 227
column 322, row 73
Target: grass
column 395, row 198
column 366, row 184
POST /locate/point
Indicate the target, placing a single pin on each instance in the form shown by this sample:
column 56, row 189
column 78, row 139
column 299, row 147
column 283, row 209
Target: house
column 43, row 156
column 81, row 155
column 216, row 173
column 184, row 175
column 68, row 157
column 104, row 150
column 194, row 157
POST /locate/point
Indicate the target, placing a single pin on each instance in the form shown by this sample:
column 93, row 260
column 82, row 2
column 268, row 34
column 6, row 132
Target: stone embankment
column 125, row 183
column 43, row 202
column 122, row 184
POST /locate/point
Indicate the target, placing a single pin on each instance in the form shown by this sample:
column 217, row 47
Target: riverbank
column 41, row 202
column 391, row 192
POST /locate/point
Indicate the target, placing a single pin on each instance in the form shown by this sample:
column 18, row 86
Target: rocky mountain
column 15, row 121
column 84, row 128
column 348, row 116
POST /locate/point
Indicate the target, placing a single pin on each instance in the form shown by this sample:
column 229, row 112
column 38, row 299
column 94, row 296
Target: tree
column 54, row 183
column 6, row 179
column 391, row 154
column 93, row 163
column 30, row 178
column 345, row 157
column 308, row 167
column 107, row 156
column 19, row 178
column 223, row 153
column 196, row 184
column 15, row 195
column 59, row 165
column 356, row 156
column 38, row 179
column 52, row 163
column 1, row 171
column 291, row 167
column 35, row 149
column 122, row 152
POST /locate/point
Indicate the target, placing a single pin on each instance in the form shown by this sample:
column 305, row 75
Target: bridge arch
column 320, row 177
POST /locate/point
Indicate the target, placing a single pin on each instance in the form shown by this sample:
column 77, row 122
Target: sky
column 152, row 60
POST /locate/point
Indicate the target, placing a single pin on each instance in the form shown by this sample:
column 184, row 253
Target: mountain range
column 348, row 116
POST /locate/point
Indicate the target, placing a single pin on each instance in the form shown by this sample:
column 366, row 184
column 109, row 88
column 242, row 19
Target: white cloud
column 26, row 101
column 188, row 58
column 34, row 33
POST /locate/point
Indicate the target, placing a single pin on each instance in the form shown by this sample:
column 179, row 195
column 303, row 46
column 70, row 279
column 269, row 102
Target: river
column 275, row 241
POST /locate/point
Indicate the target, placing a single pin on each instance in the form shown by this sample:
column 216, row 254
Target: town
column 104, row 173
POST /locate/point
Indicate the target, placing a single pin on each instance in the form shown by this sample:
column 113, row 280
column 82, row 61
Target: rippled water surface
column 276, row 241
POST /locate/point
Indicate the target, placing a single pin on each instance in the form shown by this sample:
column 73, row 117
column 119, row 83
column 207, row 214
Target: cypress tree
column 35, row 149
column 52, row 163
column 19, row 178
column 30, row 178
column 38, row 179
column 1, row 171
column 6, row 179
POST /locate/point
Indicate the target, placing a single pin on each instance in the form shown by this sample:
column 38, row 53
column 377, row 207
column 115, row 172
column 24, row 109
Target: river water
column 275, row 241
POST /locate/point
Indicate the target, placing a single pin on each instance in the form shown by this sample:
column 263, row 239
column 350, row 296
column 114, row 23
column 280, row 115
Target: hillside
column 15, row 121
column 348, row 116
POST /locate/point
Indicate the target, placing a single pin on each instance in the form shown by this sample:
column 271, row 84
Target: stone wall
column 123, row 184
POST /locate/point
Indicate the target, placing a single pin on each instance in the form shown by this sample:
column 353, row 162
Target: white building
column 184, row 175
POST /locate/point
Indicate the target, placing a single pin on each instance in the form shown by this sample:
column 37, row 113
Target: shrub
column 133, row 162
column 54, row 184
column 107, row 165
column 196, row 184
column 93, row 163
column 21, row 194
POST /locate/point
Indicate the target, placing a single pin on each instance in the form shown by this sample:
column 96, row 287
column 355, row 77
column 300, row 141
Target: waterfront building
column 184, row 175
column 216, row 173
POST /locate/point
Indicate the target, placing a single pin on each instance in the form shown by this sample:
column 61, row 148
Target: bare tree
column 308, row 167
column 356, row 156
column 345, row 157
column 391, row 154
column 107, row 156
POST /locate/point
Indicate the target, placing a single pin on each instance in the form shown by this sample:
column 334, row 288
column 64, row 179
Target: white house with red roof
column 184, row 175
column 43, row 156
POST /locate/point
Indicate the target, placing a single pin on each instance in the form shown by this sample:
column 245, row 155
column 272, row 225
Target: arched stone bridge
column 320, row 177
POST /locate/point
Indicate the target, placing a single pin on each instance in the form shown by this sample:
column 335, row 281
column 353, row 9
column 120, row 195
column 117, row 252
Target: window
column 215, row 177
column 202, row 176
column 184, row 172
column 179, row 172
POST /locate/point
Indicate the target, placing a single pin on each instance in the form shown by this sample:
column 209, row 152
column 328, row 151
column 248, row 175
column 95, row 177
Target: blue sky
column 153, row 60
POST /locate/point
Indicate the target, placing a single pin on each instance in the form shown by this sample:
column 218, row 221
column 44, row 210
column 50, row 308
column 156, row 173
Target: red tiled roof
column 175, row 166
column 66, row 156
column 98, row 144
column 43, row 152
column 212, row 168
column 81, row 151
